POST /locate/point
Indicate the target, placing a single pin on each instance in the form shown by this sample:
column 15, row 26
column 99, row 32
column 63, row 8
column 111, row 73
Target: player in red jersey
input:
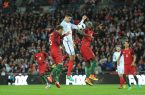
column 40, row 57
column 87, row 53
column 129, row 63
column 56, row 53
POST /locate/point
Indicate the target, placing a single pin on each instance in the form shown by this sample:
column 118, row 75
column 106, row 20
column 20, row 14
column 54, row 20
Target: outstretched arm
column 81, row 23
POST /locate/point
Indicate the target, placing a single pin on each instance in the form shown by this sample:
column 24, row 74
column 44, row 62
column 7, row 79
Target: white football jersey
column 120, row 68
column 68, row 28
column 116, row 56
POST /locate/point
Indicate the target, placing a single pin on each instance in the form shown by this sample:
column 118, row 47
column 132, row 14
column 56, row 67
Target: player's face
column 118, row 48
column 126, row 44
column 60, row 31
column 68, row 18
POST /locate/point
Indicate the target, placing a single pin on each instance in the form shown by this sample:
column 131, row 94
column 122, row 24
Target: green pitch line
column 70, row 90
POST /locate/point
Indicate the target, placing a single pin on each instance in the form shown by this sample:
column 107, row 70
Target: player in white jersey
column 120, row 67
column 68, row 40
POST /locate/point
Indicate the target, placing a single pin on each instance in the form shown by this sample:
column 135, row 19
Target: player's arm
column 118, row 60
column 134, row 58
column 57, row 39
column 66, row 34
column 34, row 57
column 81, row 23
column 45, row 54
column 114, row 58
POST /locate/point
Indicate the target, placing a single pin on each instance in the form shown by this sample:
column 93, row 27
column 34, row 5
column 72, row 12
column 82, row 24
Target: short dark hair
column 68, row 14
column 59, row 27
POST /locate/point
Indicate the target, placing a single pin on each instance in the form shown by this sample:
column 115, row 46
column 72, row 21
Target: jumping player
column 87, row 53
column 68, row 41
column 56, row 53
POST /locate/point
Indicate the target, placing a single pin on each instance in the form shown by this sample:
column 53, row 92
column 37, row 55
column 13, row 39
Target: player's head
column 118, row 48
column 59, row 29
column 39, row 49
column 68, row 17
column 126, row 44
column 89, row 24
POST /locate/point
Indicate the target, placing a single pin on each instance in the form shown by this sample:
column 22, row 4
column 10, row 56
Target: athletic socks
column 70, row 67
column 87, row 71
column 44, row 78
column 59, row 69
column 56, row 72
column 127, row 81
column 122, row 81
column 92, row 68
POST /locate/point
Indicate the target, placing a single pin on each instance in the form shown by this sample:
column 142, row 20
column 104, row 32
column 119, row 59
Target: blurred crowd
column 22, row 33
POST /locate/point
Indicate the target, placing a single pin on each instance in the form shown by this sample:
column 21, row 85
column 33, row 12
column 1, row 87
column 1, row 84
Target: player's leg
column 57, row 57
column 70, row 67
column 122, row 81
column 44, row 78
column 58, row 72
column 92, row 69
column 126, row 73
column 69, row 47
column 133, row 72
column 90, row 56
column 55, row 74
column 87, row 72
column 120, row 70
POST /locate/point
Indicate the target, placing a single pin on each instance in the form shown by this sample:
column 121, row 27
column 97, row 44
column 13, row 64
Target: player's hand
column 118, row 63
column 74, row 45
column 84, row 17
column 133, row 64
column 67, row 33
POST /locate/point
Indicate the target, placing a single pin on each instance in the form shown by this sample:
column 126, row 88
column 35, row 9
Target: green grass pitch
column 70, row 90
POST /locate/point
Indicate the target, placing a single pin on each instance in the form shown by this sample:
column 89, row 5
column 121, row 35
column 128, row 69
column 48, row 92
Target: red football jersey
column 128, row 56
column 87, row 39
column 54, row 40
column 40, row 57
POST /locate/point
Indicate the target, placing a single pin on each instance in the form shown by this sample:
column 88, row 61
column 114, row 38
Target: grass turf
column 70, row 90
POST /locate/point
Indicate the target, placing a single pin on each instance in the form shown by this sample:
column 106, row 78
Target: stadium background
column 25, row 24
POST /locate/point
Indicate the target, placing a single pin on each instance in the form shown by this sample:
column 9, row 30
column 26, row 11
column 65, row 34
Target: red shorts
column 87, row 53
column 129, row 70
column 57, row 56
column 42, row 68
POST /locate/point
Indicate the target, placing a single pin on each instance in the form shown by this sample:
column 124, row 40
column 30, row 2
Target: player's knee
column 60, row 63
column 87, row 63
column 72, row 57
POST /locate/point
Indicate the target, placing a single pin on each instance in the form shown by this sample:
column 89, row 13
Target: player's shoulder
column 51, row 33
column 116, row 53
column 54, row 33
column 63, row 23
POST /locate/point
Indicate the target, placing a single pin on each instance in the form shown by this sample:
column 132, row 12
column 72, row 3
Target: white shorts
column 120, row 69
column 69, row 47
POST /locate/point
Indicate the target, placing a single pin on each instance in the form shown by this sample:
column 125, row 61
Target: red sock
column 121, row 81
column 64, row 57
column 70, row 67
